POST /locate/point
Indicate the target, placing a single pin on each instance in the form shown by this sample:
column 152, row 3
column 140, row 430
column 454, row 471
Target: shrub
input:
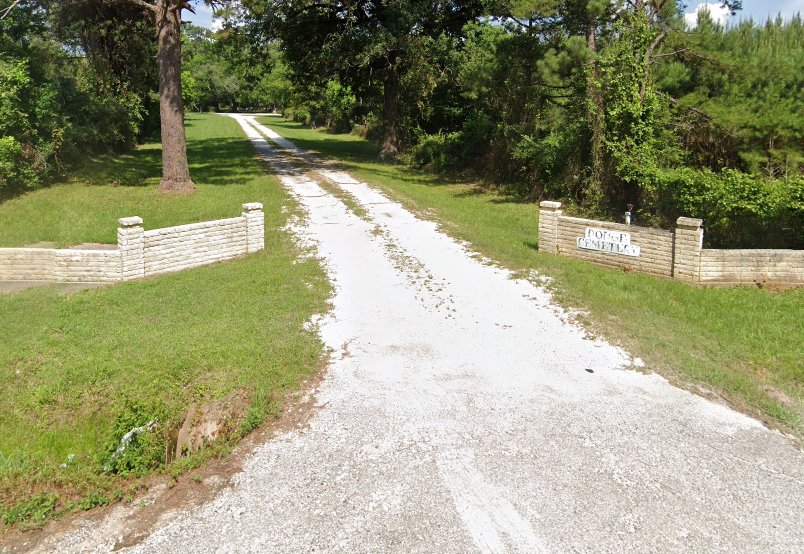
column 55, row 108
column 739, row 210
column 136, row 444
column 15, row 173
column 432, row 152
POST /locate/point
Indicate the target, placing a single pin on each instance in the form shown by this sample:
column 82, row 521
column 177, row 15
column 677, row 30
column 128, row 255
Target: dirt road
column 462, row 412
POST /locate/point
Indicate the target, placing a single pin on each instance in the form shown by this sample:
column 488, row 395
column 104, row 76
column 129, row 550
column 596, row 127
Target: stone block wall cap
column 252, row 206
column 689, row 222
column 550, row 204
column 130, row 221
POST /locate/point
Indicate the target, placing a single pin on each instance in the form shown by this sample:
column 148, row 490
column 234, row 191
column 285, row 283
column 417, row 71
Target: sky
column 203, row 16
column 758, row 9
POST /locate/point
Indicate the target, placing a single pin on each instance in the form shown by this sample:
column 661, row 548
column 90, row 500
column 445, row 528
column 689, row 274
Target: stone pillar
column 549, row 213
column 255, row 226
column 131, row 243
column 687, row 244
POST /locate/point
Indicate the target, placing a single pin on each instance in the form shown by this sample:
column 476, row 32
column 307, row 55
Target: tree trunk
column 596, row 115
column 175, row 172
column 390, row 143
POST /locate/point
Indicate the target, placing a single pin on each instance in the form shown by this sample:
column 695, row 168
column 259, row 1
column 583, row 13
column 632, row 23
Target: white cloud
column 719, row 14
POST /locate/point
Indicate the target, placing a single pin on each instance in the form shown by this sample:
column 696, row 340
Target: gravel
column 458, row 414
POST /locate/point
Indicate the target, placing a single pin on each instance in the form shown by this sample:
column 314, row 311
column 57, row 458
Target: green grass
column 744, row 343
column 77, row 369
column 85, row 208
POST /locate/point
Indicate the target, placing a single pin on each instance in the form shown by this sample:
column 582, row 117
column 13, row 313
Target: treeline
column 602, row 104
column 229, row 70
column 74, row 80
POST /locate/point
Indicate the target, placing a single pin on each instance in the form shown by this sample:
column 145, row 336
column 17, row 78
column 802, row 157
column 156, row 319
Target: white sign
column 604, row 240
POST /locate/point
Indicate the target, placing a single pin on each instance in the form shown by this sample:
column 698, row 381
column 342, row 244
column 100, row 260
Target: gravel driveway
column 462, row 412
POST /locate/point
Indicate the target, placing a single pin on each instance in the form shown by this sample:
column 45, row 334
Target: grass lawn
column 85, row 207
column 744, row 344
column 77, row 371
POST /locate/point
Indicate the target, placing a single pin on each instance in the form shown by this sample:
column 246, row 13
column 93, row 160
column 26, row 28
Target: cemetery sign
column 604, row 240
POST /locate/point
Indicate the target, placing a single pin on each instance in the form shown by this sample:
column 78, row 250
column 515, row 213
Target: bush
column 55, row 108
column 463, row 149
column 136, row 444
column 739, row 210
column 15, row 173
column 433, row 152
column 339, row 106
column 369, row 126
column 49, row 124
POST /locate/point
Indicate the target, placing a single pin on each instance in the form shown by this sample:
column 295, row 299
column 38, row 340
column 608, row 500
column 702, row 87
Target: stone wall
column 549, row 212
column 687, row 248
column 87, row 266
column 27, row 264
column 65, row 265
column 656, row 246
column 140, row 253
column 678, row 254
column 176, row 248
column 747, row 266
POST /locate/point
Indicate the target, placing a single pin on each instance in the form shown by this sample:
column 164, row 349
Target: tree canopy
column 366, row 46
column 599, row 103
